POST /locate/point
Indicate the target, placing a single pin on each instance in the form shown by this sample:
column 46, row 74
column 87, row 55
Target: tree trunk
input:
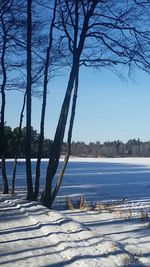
column 28, row 109
column 58, row 139
column 60, row 176
column 60, row 130
column 41, row 138
column 18, row 146
column 2, row 123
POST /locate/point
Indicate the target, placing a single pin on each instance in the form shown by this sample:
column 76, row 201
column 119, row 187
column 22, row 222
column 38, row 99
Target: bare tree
column 76, row 51
column 99, row 34
column 6, row 25
column 17, row 42
column 28, row 107
column 46, row 71
column 10, row 27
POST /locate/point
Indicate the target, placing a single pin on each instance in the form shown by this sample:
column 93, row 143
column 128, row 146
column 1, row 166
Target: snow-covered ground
column 31, row 235
column 132, row 160
column 110, row 234
column 127, row 160
column 126, row 224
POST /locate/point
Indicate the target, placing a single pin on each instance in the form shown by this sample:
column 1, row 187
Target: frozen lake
column 97, row 181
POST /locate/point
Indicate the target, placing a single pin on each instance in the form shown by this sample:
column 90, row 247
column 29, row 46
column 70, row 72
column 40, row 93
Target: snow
column 123, row 224
column 112, row 234
column 122, row 160
column 127, row 160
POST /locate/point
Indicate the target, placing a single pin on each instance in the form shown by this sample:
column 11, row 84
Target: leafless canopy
column 117, row 32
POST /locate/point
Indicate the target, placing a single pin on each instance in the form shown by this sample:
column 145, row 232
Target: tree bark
column 61, row 173
column 28, row 109
column 18, row 146
column 2, row 123
column 58, row 139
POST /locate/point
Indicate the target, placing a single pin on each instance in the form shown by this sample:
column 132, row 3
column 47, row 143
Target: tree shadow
column 55, row 249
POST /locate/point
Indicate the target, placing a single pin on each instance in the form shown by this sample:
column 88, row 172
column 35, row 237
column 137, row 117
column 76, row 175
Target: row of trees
column 132, row 148
column 11, row 143
column 40, row 38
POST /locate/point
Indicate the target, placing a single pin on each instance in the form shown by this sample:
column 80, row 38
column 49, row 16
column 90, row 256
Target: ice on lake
column 103, row 180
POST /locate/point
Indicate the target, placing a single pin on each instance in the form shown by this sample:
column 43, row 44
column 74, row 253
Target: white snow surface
column 114, row 234
column 127, row 160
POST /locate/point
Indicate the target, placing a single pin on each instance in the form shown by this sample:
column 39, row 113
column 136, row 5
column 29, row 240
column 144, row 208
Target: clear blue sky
column 107, row 107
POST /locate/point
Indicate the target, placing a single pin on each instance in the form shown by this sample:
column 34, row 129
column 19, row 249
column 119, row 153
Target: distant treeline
column 132, row 148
